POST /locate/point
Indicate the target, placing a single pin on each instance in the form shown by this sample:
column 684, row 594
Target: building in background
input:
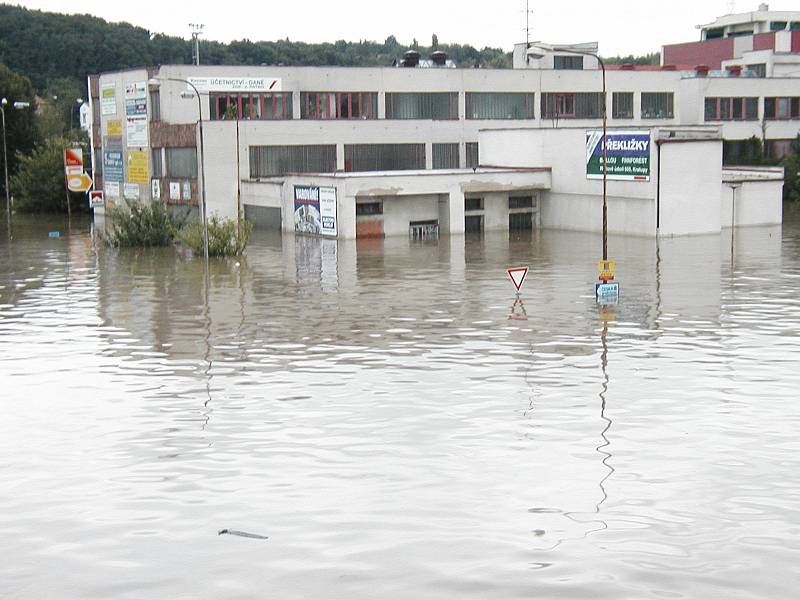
column 421, row 148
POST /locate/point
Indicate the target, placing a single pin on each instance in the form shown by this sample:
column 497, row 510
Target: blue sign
column 627, row 154
column 53, row 234
column 113, row 165
column 607, row 292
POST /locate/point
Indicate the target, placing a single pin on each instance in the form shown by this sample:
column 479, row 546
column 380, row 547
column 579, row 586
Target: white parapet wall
column 681, row 196
column 751, row 196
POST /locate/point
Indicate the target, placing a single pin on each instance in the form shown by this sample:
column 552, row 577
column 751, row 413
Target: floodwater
column 373, row 410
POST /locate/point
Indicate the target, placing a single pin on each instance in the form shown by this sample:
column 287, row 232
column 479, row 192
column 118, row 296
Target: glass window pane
column 445, row 156
column 384, row 157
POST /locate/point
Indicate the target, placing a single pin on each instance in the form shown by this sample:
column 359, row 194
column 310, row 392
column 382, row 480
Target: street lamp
column 78, row 102
column 17, row 106
column 156, row 82
column 573, row 50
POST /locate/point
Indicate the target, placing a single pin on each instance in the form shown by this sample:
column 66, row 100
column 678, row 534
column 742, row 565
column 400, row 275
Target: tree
column 39, row 182
column 20, row 130
column 791, row 167
column 434, row 42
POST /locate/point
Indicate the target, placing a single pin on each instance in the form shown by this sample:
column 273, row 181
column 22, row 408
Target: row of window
column 437, row 105
column 270, row 161
column 746, row 109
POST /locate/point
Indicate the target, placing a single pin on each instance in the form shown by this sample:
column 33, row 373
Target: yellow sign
column 606, row 268
column 137, row 167
column 114, row 127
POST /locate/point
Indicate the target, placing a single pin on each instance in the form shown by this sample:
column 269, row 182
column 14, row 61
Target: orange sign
column 79, row 183
column 73, row 157
column 606, row 268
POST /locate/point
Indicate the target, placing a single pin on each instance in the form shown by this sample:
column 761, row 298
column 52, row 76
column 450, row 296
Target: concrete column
column 340, row 157
column 295, row 105
column 451, row 217
column 345, row 214
column 429, row 155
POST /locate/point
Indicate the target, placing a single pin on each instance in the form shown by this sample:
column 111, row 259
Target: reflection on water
column 397, row 421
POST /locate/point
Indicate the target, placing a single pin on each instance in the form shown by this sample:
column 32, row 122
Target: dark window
column 473, row 203
column 758, row 70
column 568, row 63
column 520, row 221
column 259, row 107
column 742, row 152
column 499, row 105
column 267, row 161
column 369, row 208
column 471, row 149
column 622, row 105
column 155, row 161
column 715, row 33
column 384, row 157
column 413, row 105
column 578, row 105
column 339, row 105
column 794, row 26
column 155, row 105
column 733, row 34
column 473, row 223
column 776, row 109
column 445, row 156
column 777, row 25
column 658, row 105
column 181, row 162
column 520, row 202
column 731, row 109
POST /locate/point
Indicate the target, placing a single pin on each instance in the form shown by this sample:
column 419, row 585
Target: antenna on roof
column 527, row 25
column 731, row 7
column 197, row 31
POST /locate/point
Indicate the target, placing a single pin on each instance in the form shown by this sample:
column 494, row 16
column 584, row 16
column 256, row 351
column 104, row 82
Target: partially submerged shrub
column 142, row 224
column 225, row 236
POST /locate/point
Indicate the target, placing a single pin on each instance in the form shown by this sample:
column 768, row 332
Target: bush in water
column 225, row 236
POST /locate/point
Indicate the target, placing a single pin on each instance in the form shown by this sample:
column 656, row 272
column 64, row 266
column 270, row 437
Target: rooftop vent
column 411, row 59
column 439, row 58
column 734, row 70
column 763, row 7
column 701, row 70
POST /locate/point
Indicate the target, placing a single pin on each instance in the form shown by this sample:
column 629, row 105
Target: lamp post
column 78, row 102
column 156, row 82
column 573, row 50
column 17, row 106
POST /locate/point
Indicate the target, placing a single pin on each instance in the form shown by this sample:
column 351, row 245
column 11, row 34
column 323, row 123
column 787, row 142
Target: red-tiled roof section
column 650, row 68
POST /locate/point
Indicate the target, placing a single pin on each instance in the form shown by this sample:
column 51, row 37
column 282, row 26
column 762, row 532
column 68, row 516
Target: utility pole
column 197, row 31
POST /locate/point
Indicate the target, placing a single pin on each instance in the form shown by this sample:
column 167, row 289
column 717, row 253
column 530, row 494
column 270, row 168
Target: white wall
column 691, row 173
column 757, row 201
column 219, row 158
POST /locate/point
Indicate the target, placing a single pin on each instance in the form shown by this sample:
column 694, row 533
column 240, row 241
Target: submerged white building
column 422, row 148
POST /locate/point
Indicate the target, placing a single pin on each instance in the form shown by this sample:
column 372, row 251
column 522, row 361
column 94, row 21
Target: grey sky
column 620, row 27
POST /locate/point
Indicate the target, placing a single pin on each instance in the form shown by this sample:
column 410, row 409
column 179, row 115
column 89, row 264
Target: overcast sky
column 621, row 27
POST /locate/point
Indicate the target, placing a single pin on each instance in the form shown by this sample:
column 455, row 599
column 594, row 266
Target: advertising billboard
column 628, row 154
column 315, row 210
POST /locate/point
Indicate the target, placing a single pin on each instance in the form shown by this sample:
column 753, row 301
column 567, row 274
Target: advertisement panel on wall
column 628, row 154
column 137, row 167
column 235, row 84
column 112, row 165
column 108, row 99
column 136, row 132
column 315, row 210
column 136, row 98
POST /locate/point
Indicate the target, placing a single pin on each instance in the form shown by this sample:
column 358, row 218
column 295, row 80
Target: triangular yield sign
column 517, row 275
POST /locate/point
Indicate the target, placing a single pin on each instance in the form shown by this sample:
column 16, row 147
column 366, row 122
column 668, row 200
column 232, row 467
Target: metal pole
column 202, row 169
column 5, row 166
column 605, row 163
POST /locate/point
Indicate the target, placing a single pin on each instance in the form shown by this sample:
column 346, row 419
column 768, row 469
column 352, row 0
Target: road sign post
column 517, row 276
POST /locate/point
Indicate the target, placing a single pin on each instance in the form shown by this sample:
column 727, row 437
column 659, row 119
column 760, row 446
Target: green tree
column 20, row 130
column 39, row 184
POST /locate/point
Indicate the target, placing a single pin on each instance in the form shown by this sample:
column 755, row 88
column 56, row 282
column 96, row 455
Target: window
column 181, row 162
column 339, row 105
column 473, row 204
column 622, row 105
column 422, row 105
column 369, row 208
column 497, row 105
column 265, row 106
column 758, row 70
column 267, row 161
column 578, row 105
column 520, row 202
column 445, row 156
column 777, row 25
column 156, row 162
column 794, row 26
column 155, row 105
column 471, row 149
column 781, row 108
column 658, row 105
column 715, row 33
column 384, row 157
column 568, row 63
column 731, row 109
